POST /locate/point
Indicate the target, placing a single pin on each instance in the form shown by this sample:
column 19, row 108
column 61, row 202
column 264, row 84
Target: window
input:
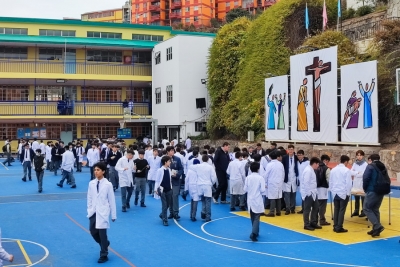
column 104, row 55
column 157, row 57
column 158, row 95
column 187, row 20
column 141, row 57
column 107, row 35
column 145, row 15
column 228, row 4
column 139, row 94
column 169, row 93
column 14, row 93
column 196, row 18
column 146, row 37
column 195, row 8
column 137, row 6
column 13, row 52
column 9, row 130
column 101, row 94
column 14, row 31
column 53, row 130
column 54, row 93
column 187, row 9
column 50, row 54
column 169, row 53
column 236, row 3
column 200, row 126
column 89, row 130
column 57, row 33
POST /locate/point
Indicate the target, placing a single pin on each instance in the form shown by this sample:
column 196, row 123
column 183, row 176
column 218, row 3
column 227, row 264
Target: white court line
column 262, row 253
column 42, row 201
column 44, row 194
column 40, row 245
column 248, row 241
column 4, row 166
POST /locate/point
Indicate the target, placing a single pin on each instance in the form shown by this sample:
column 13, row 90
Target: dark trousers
column 255, row 222
column 222, row 185
column 56, row 166
column 275, row 203
column 151, row 186
column 310, row 207
column 99, row 235
column 91, row 173
column 8, row 160
column 322, row 210
column 193, row 208
column 126, row 193
column 166, row 202
column 39, row 176
column 357, row 203
column 140, row 188
column 290, row 200
column 27, row 166
column 339, row 211
column 372, row 204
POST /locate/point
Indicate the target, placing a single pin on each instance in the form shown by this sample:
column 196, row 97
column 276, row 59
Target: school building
column 70, row 78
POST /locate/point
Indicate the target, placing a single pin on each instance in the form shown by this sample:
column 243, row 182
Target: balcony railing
column 174, row 15
column 154, row 8
column 155, row 17
column 81, row 108
column 176, row 4
column 78, row 67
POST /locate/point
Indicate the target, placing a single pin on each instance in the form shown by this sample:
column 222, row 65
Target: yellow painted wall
column 117, row 18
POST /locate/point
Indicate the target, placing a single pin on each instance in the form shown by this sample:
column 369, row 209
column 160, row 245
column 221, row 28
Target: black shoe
column 287, row 212
column 292, row 211
column 203, row 216
column 316, row 226
column 243, row 208
column 362, row 214
column 193, row 219
column 109, row 243
column 123, row 209
column 170, row 216
column 177, row 217
column 40, row 191
column 269, row 215
column 165, row 223
column 143, row 205
column 184, row 196
column 309, row 228
column 136, row 201
column 208, row 220
column 74, row 186
column 9, row 165
column 371, row 232
column 324, row 223
column 128, row 206
column 253, row 237
column 60, row 185
column 300, row 212
column 355, row 213
column 278, row 214
column 23, row 179
column 102, row 259
column 341, row 230
column 30, row 179
column 378, row 231
column 233, row 209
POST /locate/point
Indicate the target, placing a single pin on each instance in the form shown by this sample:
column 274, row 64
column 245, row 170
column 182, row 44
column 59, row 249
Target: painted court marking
column 262, row 253
column 112, row 250
column 29, row 262
column 248, row 241
column 4, row 166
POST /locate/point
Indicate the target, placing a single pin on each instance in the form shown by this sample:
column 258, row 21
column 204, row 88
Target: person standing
column 255, row 188
column 100, row 204
column 79, row 156
column 291, row 178
column 39, row 163
column 56, row 156
column 301, row 165
column 274, row 177
column 340, row 186
column 140, row 178
column 48, row 156
column 125, row 168
column 236, row 172
column 357, row 171
column 154, row 163
column 309, row 194
column 191, row 188
column 4, row 256
column 42, row 147
column 188, row 143
column 35, row 144
column 26, row 158
column 93, row 157
column 206, row 178
column 322, row 173
column 67, row 167
column 163, row 187
column 112, row 160
column 221, row 162
column 176, row 173
column 7, row 152
column 373, row 198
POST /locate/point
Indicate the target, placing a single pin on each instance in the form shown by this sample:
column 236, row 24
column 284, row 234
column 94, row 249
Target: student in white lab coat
column 309, row 194
column 48, row 156
column 79, row 156
column 206, row 178
column 42, row 147
column 191, row 188
column 357, row 171
column 93, row 157
column 274, row 175
column 255, row 187
column 340, row 186
column 100, row 204
column 236, row 180
column 67, row 167
column 4, row 256
column 163, row 187
column 125, row 167
column 154, row 163
column 302, row 163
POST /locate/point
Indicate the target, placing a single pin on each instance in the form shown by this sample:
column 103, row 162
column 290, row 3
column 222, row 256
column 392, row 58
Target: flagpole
column 339, row 15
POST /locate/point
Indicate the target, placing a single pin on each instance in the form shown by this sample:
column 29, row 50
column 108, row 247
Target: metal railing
column 80, row 108
column 76, row 67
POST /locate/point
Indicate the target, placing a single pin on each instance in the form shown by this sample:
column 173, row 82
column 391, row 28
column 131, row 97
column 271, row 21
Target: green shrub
column 364, row 10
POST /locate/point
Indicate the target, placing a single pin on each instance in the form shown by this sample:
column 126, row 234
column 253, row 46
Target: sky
column 55, row 9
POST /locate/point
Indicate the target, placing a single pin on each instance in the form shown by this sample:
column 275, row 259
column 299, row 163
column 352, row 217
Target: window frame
column 106, row 56
column 158, row 95
column 104, row 35
column 22, row 52
column 169, row 53
column 169, row 93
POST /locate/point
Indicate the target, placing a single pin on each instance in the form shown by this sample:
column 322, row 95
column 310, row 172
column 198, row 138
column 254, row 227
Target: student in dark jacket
column 26, row 158
column 221, row 162
column 112, row 160
column 142, row 167
column 259, row 150
column 56, row 155
column 291, row 179
column 176, row 173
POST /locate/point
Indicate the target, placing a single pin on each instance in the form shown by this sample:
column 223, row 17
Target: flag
column 307, row 20
column 324, row 17
column 339, row 11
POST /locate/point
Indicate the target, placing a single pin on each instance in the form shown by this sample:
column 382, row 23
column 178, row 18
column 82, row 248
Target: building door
column 174, row 132
column 69, row 56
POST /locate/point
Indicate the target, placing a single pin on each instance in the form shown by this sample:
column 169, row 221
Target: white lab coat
column 125, row 176
column 188, row 143
column 261, row 172
column 264, row 161
column 148, row 154
column 42, row 148
column 102, row 203
column 274, row 175
column 357, row 171
column 154, row 166
column 48, row 153
column 255, row 188
column 309, row 185
column 159, row 178
column 4, row 256
column 79, row 153
column 340, row 181
column 93, row 156
column 68, row 161
column 236, row 177
column 206, row 177
column 191, row 183
column 35, row 145
column 301, row 166
column 291, row 185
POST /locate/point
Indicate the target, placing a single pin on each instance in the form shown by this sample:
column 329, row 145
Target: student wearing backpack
column 7, row 152
column 376, row 184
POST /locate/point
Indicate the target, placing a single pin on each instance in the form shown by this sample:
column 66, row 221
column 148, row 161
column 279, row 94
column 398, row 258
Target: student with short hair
column 191, row 188
column 39, row 163
column 206, row 178
column 237, row 176
column 301, row 165
column 125, row 168
column 163, row 187
column 357, row 171
column 255, row 187
column 340, row 186
column 322, row 173
column 154, row 163
column 140, row 178
column 274, row 175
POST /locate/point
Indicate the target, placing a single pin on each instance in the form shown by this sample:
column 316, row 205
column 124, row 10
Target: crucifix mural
column 316, row 70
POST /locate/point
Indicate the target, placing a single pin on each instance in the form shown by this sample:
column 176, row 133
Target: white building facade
column 179, row 66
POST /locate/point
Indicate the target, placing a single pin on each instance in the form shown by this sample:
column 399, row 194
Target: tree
column 236, row 13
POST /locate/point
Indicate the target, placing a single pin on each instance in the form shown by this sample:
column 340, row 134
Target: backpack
column 4, row 148
column 382, row 185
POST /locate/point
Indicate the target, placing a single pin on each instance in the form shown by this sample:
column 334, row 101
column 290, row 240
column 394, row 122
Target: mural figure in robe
column 302, row 125
column 271, row 113
column 366, row 94
column 316, row 70
column 352, row 112
column 281, row 118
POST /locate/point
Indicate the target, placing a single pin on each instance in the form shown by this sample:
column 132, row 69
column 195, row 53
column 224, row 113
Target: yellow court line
column 28, row 260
